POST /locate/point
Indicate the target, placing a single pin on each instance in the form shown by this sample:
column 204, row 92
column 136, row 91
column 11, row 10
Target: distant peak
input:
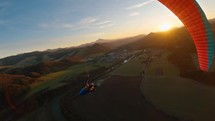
column 101, row 40
column 212, row 20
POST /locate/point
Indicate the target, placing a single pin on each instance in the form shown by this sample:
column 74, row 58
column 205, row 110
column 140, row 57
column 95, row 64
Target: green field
column 179, row 97
column 132, row 68
column 163, row 65
column 56, row 79
column 51, row 81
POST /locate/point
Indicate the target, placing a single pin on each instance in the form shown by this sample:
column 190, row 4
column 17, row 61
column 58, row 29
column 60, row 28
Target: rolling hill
column 98, row 47
column 42, row 62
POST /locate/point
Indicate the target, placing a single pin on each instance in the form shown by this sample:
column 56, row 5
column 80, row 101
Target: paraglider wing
column 194, row 19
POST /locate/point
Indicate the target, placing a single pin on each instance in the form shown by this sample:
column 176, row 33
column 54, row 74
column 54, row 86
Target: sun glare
column 165, row 27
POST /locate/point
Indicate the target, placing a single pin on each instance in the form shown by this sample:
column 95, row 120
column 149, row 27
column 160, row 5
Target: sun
column 166, row 27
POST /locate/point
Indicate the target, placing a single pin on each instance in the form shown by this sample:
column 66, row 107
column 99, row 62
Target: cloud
column 170, row 15
column 1, row 22
column 66, row 25
column 57, row 25
column 134, row 14
column 103, row 22
column 4, row 6
column 140, row 5
column 106, row 26
column 95, row 34
column 85, row 22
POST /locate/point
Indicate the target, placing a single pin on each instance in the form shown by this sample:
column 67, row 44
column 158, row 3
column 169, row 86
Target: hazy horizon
column 55, row 48
column 44, row 24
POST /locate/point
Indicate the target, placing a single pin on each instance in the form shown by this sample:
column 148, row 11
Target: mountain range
column 43, row 62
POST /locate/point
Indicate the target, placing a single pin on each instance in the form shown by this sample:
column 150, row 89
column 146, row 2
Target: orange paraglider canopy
column 194, row 19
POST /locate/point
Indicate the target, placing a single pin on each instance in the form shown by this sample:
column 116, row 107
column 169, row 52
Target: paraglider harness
column 89, row 87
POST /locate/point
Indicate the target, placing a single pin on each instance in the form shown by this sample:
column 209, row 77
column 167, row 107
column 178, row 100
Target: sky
column 31, row 25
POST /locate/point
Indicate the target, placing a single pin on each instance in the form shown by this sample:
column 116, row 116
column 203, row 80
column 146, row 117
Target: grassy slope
column 54, row 80
column 132, row 68
column 181, row 97
column 163, row 64
column 27, row 61
column 177, row 96
column 48, row 81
